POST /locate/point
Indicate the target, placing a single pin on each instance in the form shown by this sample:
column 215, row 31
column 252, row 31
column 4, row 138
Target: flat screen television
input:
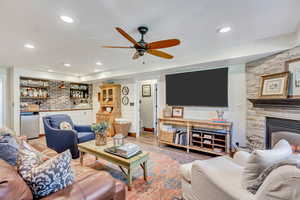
column 202, row 88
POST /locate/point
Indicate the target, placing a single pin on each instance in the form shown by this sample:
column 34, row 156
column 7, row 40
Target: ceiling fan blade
column 117, row 47
column 136, row 56
column 160, row 54
column 128, row 37
column 163, row 44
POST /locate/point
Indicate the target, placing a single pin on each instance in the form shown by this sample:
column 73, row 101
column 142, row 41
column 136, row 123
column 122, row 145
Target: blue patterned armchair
column 61, row 140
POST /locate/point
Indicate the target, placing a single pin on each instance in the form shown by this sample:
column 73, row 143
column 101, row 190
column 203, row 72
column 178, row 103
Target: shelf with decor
column 202, row 135
column 31, row 88
column 79, row 91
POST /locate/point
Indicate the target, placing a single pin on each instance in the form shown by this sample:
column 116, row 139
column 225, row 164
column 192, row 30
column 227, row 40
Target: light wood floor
column 148, row 138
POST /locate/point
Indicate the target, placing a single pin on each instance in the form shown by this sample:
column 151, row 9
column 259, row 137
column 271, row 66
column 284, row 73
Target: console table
column 201, row 135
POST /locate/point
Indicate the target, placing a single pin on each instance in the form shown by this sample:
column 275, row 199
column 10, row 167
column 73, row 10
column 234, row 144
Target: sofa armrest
column 100, row 186
column 281, row 183
column 241, row 158
column 83, row 128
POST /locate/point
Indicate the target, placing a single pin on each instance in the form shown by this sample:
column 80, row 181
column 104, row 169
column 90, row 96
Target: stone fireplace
column 262, row 120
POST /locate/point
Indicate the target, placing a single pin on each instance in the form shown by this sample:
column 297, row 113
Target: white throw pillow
column 65, row 126
column 262, row 159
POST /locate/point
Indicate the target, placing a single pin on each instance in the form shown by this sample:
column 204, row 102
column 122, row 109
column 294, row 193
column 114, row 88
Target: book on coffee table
column 126, row 151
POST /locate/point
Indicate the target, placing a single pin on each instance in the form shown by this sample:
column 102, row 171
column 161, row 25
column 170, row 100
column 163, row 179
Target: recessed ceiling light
column 67, row 65
column 224, row 29
column 67, row 19
column 50, row 70
column 29, row 46
column 98, row 63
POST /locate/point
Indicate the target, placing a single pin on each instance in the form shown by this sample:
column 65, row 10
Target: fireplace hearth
column 284, row 126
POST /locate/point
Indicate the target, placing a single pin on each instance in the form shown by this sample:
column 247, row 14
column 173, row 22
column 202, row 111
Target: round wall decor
column 125, row 90
column 125, row 100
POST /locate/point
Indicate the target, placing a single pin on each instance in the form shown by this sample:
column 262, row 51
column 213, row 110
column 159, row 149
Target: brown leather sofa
column 94, row 185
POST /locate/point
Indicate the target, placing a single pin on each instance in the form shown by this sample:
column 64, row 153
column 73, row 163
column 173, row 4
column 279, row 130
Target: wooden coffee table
column 128, row 164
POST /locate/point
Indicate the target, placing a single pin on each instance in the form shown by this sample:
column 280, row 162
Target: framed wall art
column 146, row 90
column 293, row 66
column 177, row 112
column 125, row 100
column 274, row 86
column 125, row 90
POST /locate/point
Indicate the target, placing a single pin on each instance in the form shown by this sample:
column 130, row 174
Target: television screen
column 201, row 88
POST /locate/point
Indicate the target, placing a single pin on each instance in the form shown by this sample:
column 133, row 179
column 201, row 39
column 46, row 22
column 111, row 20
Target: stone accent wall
column 59, row 98
column 256, row 116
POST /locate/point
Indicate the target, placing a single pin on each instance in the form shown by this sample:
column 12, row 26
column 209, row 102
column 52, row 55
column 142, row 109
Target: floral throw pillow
column 45, row 178
column 27, row 159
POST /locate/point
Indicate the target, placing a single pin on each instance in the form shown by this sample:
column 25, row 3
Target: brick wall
column 256, row 116
column 59, row 98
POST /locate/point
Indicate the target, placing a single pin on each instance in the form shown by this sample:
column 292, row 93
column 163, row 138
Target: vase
column 100, row 139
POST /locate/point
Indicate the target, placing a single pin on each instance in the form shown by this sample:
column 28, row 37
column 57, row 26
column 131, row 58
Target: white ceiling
column 194, row 22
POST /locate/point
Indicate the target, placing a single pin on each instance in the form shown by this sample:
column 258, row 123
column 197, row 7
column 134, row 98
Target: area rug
column 163, row 171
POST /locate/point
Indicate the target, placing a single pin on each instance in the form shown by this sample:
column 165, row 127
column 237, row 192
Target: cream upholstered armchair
column 220, row 178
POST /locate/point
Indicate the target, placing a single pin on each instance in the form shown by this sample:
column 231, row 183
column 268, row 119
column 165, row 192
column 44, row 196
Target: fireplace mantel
column 290, row 103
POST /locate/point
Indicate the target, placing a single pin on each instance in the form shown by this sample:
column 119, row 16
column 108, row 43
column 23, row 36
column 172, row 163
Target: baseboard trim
column 149, row 129
column 132, row 134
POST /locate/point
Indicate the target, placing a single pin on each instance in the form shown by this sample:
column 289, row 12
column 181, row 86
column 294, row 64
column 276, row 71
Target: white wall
column 5, row 100
column 147, row 105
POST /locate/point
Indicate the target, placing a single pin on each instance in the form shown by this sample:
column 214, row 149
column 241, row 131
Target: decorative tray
column 112, row 151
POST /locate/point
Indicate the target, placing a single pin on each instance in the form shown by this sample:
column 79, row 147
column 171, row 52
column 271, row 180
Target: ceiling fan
column 143, row 47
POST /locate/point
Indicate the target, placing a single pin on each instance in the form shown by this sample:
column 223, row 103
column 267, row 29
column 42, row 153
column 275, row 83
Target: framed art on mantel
column 293, row 66
column 274, row 86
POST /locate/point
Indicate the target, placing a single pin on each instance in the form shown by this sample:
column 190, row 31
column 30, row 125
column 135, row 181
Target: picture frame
column 125, row 100
column 177, row 112
column 274, row 86
column 125, row 90
column 146, row 90
column 293, row 67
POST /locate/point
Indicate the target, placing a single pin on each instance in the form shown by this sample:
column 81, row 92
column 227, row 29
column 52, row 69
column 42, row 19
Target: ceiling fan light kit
column 143, row 47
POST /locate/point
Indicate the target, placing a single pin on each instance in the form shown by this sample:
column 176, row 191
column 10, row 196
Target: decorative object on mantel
column 274, row 86
column 125, row 90
column 167, row 112
column 146, row 90
column 100, row 132
column 293, row 66
column 255, row 142
column 177, row 112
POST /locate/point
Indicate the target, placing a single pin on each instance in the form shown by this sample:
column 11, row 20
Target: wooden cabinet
column 110, row 105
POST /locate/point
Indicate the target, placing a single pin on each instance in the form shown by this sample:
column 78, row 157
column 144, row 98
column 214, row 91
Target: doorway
column 148, row 111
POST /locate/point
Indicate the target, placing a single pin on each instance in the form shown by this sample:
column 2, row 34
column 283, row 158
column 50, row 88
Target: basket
column 122, row 128
column 166, row 136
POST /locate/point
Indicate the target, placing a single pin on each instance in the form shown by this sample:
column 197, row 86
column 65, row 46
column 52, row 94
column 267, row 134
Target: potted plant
column 100, row 132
